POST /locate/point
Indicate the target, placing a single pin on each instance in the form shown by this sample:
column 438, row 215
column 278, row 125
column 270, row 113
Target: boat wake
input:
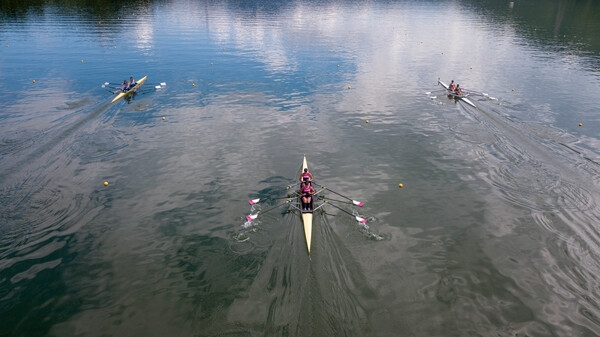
column 551, row 187
column 287, row 295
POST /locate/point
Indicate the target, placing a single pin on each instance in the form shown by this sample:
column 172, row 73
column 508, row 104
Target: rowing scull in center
column 307, row 210
column 307, row 215
column 450, row 92
column 132, row 90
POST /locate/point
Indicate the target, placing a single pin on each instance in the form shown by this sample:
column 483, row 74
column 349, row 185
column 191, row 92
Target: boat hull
column 135, row 88
column 307, row 216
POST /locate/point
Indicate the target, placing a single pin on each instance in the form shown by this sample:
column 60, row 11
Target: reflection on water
column 494, row 231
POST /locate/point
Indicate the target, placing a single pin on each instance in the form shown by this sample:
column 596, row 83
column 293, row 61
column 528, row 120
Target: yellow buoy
column 513, row 89
column 580, row 124
column 81, row 61
column 367, row 121
column 349, row 87
column 400, row 185
column 106, row 183
column 193, row 85
column 164, row 118
column 33, row 81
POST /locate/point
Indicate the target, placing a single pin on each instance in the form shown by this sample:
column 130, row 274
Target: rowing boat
column 135, row 88
column 307, row 215
column 295, row 201
column 450, row 93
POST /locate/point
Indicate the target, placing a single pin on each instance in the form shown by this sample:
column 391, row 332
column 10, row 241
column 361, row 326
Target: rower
column 131, row 82
column 452, row 86
column 306, row 191
column 458, row 90
column 124, row 86
column 306, row 176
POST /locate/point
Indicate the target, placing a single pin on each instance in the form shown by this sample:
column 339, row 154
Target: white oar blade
column 359, row 219
column 254, row 201
column 358, row 203
column 251, row 217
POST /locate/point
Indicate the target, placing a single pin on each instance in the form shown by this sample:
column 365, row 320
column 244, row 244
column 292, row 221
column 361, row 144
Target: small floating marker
column 82, row 61
column 33, row 81
column 367, row 121
column 212, row 64
column 339, row 66
column 106, row 183
column 193, row 84
column 471, row 68
column 596, row 69
column 513, row 89
column 164, row 118
column 349, row 87
column 400, row 185
column 580, row 124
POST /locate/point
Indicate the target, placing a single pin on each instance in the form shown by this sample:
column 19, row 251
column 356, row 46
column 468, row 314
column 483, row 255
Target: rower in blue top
column 126, row 86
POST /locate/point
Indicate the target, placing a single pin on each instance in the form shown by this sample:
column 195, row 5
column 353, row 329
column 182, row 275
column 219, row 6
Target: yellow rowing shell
column 136, row 87
column 307, row 217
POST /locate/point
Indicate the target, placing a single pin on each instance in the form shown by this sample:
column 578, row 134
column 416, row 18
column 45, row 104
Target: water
column 494, row 232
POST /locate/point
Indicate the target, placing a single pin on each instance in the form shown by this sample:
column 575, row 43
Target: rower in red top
column 306, row 176
column 306, row 191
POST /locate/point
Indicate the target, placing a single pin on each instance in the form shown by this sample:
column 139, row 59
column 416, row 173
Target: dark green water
column 494, row 233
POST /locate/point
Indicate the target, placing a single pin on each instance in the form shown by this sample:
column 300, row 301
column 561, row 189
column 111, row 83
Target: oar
column 357, row 203
column 254, row 216
column 437, row 90
column 256, row 201
column 359, row 219
column 339, row 201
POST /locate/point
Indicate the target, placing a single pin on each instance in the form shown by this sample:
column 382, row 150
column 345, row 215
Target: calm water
column 495, row 232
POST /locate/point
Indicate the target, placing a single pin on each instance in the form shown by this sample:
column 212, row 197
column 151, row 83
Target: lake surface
column 495, row 231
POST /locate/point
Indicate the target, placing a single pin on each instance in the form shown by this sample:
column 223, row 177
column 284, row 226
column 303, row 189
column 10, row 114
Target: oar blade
column 358, row 203
column 362, row 220
column 251, row 217
column 253, row 201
